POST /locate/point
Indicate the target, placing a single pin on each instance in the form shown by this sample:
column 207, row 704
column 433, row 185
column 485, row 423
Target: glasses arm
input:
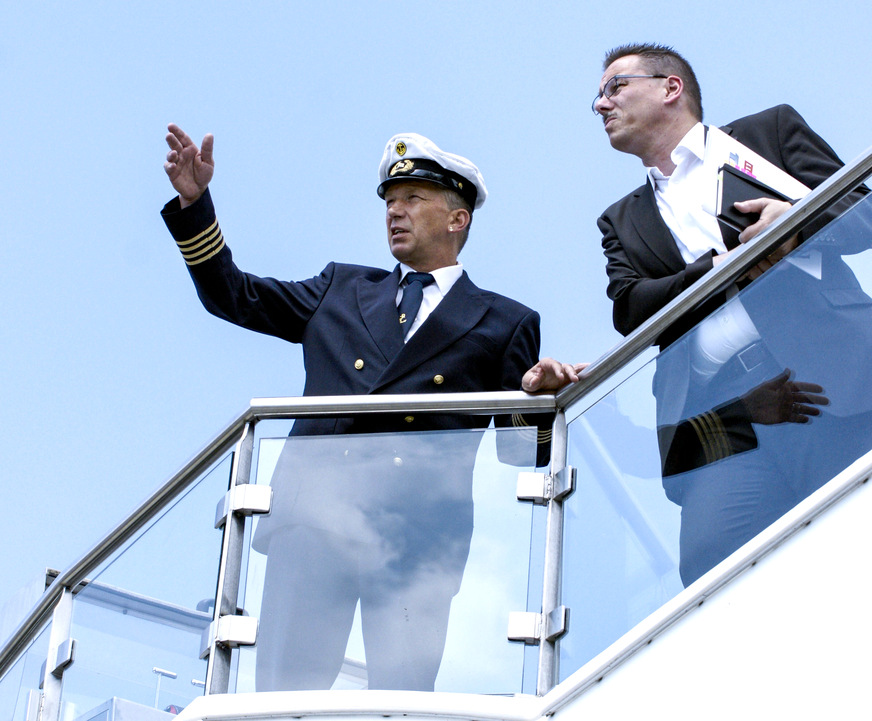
column 611, row 86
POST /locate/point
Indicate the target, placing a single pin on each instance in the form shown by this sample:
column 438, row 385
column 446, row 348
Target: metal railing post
column 551, row 580
column 227, row 592
column 59, row 656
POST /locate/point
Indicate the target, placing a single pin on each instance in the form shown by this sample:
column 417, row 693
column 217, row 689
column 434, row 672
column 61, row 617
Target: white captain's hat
column 409, row 156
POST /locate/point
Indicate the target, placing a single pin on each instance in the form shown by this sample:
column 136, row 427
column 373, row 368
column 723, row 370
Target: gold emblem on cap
column 402, row 166
column 401, row 148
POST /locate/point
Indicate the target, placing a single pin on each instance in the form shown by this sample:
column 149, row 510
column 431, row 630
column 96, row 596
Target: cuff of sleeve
column 709, row 437
column 195, row 228
column 698, row 268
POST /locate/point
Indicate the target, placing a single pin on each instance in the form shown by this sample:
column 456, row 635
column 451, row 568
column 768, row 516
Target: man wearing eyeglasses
column 659, row 240
column 651, row 107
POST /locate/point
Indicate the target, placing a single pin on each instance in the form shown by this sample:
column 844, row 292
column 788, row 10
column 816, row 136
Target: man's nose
column 602, row 104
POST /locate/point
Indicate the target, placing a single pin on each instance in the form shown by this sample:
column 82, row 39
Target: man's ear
column 458, row 220
column 674, row 88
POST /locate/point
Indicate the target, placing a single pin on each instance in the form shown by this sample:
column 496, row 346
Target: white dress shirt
column 680, row 198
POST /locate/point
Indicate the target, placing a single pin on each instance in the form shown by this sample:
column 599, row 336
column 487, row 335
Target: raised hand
column 188, row 167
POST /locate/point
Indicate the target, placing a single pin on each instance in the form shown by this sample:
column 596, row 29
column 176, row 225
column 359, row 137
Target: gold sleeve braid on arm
column 712, row 436
column 202, row 246
column 518, row 421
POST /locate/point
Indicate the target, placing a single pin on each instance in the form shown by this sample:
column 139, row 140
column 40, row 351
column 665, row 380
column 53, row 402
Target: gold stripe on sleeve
column 518, row 421
column 696, row 424
column 202, row 246
column 712, row 436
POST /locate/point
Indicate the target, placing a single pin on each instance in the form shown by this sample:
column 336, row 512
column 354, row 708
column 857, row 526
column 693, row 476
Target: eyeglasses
column 612, row 87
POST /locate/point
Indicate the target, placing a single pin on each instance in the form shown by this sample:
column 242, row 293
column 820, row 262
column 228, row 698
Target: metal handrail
column 462, row 403
column 721, row 277
column 259, row 409
column 115, row 538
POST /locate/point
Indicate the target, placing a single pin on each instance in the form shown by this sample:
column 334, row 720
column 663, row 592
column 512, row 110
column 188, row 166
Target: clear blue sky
column 112, row 375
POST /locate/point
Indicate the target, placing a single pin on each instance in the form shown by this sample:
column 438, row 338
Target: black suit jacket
column 644, row 266
column 646, row 271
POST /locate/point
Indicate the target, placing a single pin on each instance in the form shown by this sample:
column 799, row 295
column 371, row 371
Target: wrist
column 185, row 201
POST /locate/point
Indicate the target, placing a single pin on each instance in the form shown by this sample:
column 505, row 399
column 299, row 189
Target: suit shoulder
column 621, row 205
column 771, row 115
column 504, row 303
column 349, row 270
column 516, row 306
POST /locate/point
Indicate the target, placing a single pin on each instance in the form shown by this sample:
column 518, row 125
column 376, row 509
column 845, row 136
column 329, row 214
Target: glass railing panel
column 620, row 530
column 387, row 558
column 138, row 623
column 19, row 687
column 725, row 431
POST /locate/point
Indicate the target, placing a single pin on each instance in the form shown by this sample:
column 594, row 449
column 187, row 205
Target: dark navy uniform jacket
column 346, row 320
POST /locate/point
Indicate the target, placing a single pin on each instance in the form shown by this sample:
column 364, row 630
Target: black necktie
column 410, row 303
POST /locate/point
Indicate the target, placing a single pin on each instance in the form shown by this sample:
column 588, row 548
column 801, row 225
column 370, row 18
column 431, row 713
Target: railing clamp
column 246, row 498
column 533, row 628
column 543, row 487
column 229, row 631
column 66, row 654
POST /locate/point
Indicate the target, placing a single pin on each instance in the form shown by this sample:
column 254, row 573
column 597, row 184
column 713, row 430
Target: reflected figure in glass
column 383, row 519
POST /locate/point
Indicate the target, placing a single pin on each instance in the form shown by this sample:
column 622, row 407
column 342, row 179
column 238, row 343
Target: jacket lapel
column 378, row 307
column 652, row 231
column 655, row 234
column 456, row 315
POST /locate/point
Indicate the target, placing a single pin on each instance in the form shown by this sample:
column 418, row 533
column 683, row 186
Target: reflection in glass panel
column 770, row 397
column 758, row 406
column 621, row 532
column 390, row 561
column 19, row 688
column 138, row 623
